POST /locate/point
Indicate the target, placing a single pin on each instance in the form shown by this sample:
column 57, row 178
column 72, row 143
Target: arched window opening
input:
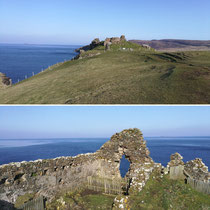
column 124, row 166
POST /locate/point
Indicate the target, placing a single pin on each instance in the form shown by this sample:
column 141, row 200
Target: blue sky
column 78, row 22
column 102, row 121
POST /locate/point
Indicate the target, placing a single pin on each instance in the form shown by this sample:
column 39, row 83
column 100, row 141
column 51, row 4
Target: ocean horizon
column 17, row 150
column 21, row 61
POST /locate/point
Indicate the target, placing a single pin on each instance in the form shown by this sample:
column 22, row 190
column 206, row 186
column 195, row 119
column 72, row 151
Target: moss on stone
column 162, row 193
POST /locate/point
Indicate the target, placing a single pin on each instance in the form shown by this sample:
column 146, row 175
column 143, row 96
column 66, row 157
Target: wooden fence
column 176, row 172
column 36, row 204
column 104, row 185
column 198, row 185
column 107, row 185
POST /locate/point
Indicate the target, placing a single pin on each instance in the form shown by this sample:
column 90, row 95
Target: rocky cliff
column 4, row 80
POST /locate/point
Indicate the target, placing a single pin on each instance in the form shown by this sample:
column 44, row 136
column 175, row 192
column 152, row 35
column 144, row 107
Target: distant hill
column 175, row 44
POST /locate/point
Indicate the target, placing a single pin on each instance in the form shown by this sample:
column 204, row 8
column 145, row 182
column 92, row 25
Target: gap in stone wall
column 124, row 166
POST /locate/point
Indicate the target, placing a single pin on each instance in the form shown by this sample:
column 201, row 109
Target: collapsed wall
column 44, row 177
column 194, row 169
column 48, row 177
column 194, row 172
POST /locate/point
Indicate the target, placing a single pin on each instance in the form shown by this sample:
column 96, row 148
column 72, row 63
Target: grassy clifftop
column 127, row 74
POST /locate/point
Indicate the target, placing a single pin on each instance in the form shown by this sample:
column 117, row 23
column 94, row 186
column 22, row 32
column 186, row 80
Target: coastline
column 39, row 57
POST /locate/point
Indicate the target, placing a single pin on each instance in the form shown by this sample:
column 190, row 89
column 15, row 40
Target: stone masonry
column 51, row 176
column 48, row 177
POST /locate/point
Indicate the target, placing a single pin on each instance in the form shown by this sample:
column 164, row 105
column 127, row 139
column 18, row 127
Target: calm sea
column 160, row 149
column 19, row 61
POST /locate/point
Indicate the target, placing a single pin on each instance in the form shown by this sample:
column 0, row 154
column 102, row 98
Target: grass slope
column 159, row 193
column 163, row 193
column 119, row 77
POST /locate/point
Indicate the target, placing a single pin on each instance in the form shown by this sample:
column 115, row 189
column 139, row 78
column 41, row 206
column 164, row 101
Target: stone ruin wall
column 96, row 42
column 131, row 144
column 194, row 169
column 51, row 176
column 194, row 172
column 48, row 177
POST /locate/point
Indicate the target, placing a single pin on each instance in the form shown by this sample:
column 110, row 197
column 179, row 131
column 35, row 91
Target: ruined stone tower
column 131, row 144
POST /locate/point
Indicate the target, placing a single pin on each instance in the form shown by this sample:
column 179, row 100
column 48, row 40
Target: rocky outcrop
column 146, row 46
column 96, row 42
column 4, row 80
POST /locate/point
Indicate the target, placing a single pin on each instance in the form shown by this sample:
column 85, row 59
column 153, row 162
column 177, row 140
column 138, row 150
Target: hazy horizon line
column 85, row 43
column 100, row 137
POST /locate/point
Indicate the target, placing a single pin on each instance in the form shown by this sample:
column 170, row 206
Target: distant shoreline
column 176, row 45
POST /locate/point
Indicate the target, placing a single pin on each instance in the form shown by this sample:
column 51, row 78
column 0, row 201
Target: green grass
column 98, row 201
column 163, row 194
column 119, row 77
column 159, row 193
column 83, row 199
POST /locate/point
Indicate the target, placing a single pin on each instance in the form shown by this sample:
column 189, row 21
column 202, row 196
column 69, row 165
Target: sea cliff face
column 4, row 80
column 49, row 177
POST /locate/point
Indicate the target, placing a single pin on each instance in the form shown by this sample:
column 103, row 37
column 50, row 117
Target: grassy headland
column 127, row 74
